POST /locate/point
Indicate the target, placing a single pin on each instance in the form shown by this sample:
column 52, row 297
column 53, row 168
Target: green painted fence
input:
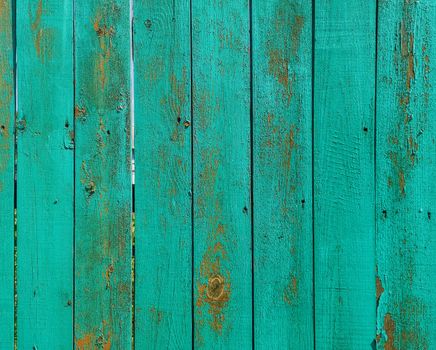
column 217, row 174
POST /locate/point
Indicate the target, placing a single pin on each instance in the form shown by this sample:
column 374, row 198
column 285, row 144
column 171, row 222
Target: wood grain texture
column 344, row 173
column 405, row 175
column 222, row 225
column 45, row 174
column 7, row 111
column 282, row 130
column 103, row 251
column 163, row 232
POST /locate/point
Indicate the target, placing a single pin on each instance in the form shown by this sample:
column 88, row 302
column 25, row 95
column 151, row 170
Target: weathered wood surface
column 45, row 174
column 221, row 151
column 344, row 221
column 7, row 112
column 163, row 230
column 103, row 187
column 282, row 183
column 406, row 245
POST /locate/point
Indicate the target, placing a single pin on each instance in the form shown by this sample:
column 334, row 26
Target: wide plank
column 103, row 186
column 221, row 169
column 344, row 203
column 163, row 230
column 45, row 175
column 282, row 136
column 406, row 195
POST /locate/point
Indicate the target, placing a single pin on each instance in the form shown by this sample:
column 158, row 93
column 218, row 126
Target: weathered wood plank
column 163, row 232
column 222, row 225
column 406, row 166
column 103, row 288
column 7, row 111
column 45, row 174
column 282, row 130
column 344, row 173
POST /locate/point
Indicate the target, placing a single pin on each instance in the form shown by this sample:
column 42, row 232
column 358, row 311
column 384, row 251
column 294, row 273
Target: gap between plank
column 313, row 175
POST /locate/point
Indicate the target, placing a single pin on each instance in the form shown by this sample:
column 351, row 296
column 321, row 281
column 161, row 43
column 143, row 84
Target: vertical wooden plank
column 405, row 175
column 7, row 111
column 45, row 174
column 282, row 98
column 163, row 175
column 344, row 173
column 103, row 298
column 222, row 225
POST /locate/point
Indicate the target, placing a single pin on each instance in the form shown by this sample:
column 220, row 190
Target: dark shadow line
column 74, row 174
column 15, row 167
column 192, row 176
column 375, row 148
column 250, row 6
column 313, row 175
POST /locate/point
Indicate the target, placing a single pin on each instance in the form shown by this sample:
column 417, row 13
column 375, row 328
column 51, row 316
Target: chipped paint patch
column 389, row 327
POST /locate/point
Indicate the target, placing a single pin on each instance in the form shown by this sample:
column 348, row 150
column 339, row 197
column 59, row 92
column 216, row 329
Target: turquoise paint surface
column 7, row 106
column 103, row 187
column 405, row 175
column 344, row 239
column 163, row 230
column 341, row 226
column 221, row 150
column 282, row 128
column 45, row 174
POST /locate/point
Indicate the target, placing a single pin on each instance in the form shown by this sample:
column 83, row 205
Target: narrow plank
column 163, row 233
column 282, row 130
column 344, row 173
column 222, row 225
column 103, row 251
column 406, row 197
column 45, row 174
column 7, row 111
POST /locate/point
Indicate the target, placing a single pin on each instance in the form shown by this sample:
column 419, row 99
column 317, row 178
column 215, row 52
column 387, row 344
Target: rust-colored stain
column 407, row 49
column 282, row 50
column 109, row 271
column 290, row 294
column 378, row 288
column 278, row 66
column 104, row 34
column 389, row 327
column 297, row 28
column 42, row 37
column 4, row 7
column 79, row 112
column 85, row 343
column 156, row 315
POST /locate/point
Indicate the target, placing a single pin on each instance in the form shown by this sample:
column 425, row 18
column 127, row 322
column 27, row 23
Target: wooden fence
column 284, row 186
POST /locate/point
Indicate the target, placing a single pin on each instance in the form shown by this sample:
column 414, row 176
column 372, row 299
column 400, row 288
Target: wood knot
column 215, row 288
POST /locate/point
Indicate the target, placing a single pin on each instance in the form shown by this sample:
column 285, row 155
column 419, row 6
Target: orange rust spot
column 37, row 21
column 378, row 288
column 79, row 111
column 402, row 182
column 278, row 67
column 156, row 315
column 85, row 342
column 296, row 33
column 389, row 326
column 290, row 293
column 109, row 271
column 4, row 7
column 42, row 37
column 107, row 345
column 407, row 48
